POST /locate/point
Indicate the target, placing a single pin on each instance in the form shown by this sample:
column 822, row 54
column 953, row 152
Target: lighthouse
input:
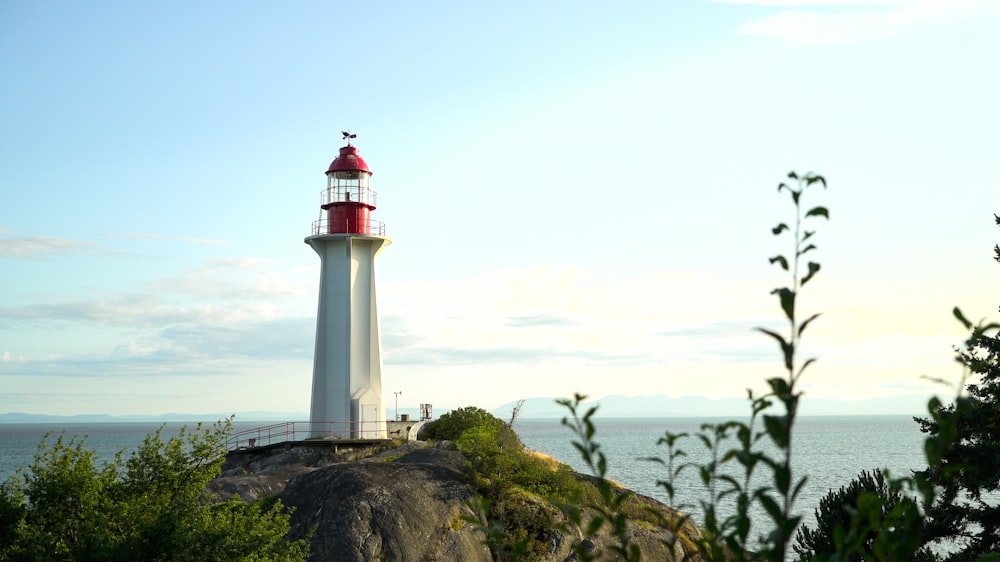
column 347, row 362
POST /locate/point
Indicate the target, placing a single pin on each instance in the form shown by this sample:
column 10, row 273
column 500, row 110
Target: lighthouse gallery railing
column 359, row 226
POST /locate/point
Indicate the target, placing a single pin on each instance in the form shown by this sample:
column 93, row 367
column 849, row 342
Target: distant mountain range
column 619, row 406
column 614, row 406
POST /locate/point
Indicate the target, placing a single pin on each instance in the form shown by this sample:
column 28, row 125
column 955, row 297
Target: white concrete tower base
column 347, row 364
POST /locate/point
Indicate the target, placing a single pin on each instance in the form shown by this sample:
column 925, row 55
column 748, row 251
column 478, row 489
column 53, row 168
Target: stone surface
column 407, row 503
column 399, row 510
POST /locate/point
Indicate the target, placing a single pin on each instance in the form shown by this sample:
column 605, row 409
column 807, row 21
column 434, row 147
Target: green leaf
column 798, row 487
column 787, row 298
column 705, row 440
column 812, row 178
column 808, row 362
column 779, row 386
column 802, row 326
column 813, row 270
column 819, row 212
column 793, row 175
column 782, row 478
column 961, row 318
column 789, row 525
column 808, row 248
column 779, row 229
column 761, row 404
column 780, row 260
column 933, row 405
column 777, row 428
column 775, row 335
column 932, row 451
column 770, row 506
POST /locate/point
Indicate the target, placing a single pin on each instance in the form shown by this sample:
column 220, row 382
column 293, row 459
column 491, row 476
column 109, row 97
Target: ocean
column 828, row 450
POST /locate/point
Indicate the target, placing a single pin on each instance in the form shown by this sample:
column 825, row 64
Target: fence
column 303, row 431
column 349, row 226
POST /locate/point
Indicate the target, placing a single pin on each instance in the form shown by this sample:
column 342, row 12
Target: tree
column 151, row 506
column 966, row 513
column 493, row 449
column 452, row 424
column 836, row 514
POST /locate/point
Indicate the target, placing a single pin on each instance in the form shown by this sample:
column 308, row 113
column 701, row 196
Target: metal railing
column 348, row 194
column 303, row 431
column 362, row 226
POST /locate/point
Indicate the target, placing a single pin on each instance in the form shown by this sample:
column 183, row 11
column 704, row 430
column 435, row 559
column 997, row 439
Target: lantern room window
column 350, row 179
column 348, row 185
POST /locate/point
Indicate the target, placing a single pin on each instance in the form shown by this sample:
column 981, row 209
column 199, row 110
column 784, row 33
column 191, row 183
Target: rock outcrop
column 403, row 504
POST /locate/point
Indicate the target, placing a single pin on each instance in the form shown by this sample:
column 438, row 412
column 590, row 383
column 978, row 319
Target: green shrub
column 152, row 506
column 836, row 512
column 452, row 424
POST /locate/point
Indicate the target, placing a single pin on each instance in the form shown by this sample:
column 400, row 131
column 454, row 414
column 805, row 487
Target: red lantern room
column 347, row 201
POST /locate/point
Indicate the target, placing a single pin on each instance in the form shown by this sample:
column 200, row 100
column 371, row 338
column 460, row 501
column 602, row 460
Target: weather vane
column 349, row 135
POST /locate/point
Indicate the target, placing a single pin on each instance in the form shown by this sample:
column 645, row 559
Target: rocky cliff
column 407, row 503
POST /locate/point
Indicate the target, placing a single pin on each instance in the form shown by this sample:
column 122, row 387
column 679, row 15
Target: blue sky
column 579, row 195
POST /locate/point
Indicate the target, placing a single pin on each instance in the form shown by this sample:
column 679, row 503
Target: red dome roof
column 348, row 160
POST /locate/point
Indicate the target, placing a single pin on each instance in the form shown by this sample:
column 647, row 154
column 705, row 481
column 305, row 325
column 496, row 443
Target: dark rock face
column 403, row 504
column 385, row 511
column 255, row 474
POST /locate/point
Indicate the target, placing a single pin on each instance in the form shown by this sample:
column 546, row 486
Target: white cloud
column 145, row 236
column 550, row 313
column 6, row 356
column 234, row 310
column 241, row 262
column 157, row 311
column 238, row 278
column 133, row 349
column 817, row 22
column 39, row 246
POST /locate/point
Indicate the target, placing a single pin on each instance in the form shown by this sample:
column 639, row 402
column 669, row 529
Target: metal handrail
column 344, row 194
column 368, row 226
column 303, row 431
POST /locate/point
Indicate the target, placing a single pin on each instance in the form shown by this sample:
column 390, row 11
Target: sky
column 579, row 195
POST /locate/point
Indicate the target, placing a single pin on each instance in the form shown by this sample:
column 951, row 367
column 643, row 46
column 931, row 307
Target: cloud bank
column 43, row 246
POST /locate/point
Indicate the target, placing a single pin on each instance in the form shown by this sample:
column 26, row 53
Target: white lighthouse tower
column 347, row 364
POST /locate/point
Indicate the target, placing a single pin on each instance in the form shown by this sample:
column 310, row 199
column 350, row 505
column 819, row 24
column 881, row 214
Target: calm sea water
column 830, row 451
